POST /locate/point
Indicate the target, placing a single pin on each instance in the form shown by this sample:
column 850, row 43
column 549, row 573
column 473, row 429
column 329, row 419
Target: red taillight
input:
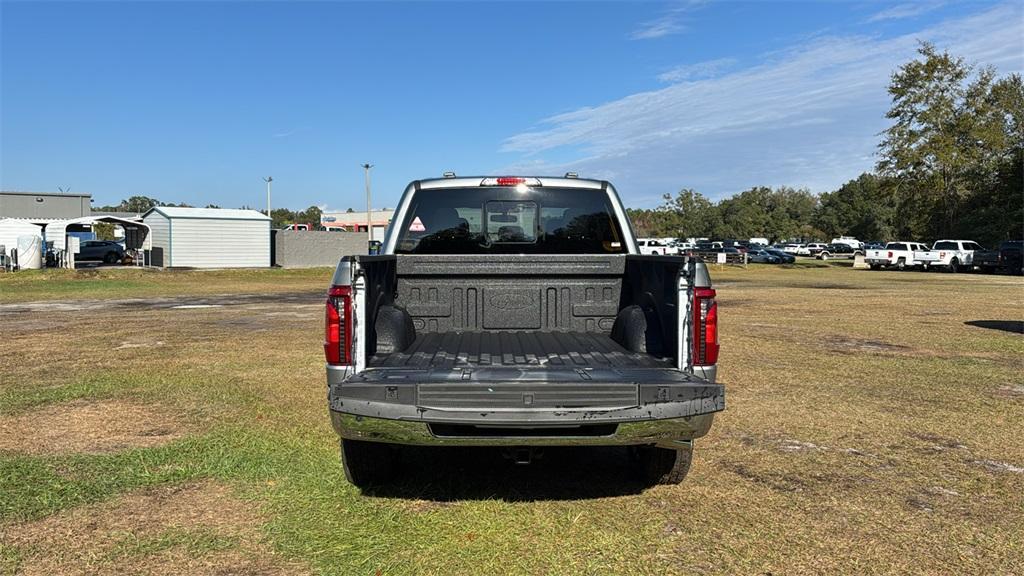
column 705, row 327
column 890, row 254
column 338, row 326
column 510, row 180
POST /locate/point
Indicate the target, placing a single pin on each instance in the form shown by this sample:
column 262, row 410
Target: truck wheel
column 111, row 258
column 824, row 255
column 367, row 463
column 954, row 266
column 663, row 465
column 874, row 266
column 901, row 264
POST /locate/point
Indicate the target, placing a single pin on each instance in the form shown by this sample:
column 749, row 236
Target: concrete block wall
column 299, row 249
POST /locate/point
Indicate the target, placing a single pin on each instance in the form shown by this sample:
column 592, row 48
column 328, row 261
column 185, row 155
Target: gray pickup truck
column 518, row 312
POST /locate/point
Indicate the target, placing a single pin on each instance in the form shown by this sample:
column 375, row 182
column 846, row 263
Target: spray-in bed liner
column 555, row 349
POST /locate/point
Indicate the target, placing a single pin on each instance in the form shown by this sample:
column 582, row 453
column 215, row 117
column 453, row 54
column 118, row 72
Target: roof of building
column 62, row 194
column 207, row 213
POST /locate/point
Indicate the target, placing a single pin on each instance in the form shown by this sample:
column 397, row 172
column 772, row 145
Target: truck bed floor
column 553, row 349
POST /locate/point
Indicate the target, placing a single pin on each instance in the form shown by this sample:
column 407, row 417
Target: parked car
column 759, row 256
column 952, row 255
column 105, row 250
column 792, row 248
column 899, row 255
column 784, row 257
column 1006, row 258
column 651, row 246
column 839, row 252
column 469, row 329
column 758, row 241
column 814, row 248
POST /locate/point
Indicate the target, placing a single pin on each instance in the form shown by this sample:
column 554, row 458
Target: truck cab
column 518, row 312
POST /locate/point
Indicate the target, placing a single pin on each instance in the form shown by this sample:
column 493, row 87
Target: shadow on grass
column 445, row 474
column 1014, row 326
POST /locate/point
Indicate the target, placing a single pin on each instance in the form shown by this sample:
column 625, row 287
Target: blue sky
column 196, row 101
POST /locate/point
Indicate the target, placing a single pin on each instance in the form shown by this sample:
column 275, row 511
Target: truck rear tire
column 901, row 264
column 367, row 463
column 954, row 266
column 663, row 465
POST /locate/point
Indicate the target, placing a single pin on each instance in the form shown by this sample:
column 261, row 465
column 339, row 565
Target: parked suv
column 105, row 250
column 518, row 312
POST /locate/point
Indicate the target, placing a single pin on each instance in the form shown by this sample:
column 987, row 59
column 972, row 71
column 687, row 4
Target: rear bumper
column 525, row 412
column 879, row 261
column 666, row 433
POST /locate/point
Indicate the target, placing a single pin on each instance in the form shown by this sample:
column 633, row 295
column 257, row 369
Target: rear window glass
column 946, row 246
column 504, row 220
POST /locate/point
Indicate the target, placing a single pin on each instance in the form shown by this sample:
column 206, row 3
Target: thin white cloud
column 907, row 10
column 670, row 22
column 806, row 116
column 698, row 70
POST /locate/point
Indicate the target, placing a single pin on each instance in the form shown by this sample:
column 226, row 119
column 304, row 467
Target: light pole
column 268, row 180
column 369, row 217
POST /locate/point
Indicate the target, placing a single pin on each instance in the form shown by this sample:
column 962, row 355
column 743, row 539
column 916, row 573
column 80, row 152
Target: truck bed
column 518, row 348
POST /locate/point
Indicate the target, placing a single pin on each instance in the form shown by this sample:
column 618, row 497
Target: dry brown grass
column 197, row 529
column 89, row 427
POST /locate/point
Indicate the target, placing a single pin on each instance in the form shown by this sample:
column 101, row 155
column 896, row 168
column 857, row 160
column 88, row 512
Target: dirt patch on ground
column 843, row 344
column 192, row 529
column 88, row 426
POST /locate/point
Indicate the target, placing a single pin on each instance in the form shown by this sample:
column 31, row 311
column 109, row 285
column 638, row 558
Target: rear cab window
column 507, row 220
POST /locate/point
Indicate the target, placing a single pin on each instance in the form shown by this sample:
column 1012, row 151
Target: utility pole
column 268, row 180
column 369, row 217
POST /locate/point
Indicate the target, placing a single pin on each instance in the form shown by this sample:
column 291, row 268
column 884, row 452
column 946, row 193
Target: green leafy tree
column 864, row 208
column 954, row 133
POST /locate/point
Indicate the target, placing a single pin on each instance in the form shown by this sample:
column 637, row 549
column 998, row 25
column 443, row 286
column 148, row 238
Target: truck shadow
column 1014, row 326
column 477, row 473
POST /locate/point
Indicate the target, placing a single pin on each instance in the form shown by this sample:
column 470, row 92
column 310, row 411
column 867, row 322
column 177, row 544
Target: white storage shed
column 208, row 237
column 12, row 228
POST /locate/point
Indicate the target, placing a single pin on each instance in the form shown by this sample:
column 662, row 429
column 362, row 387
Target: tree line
column 280, row 217
column 950, row 165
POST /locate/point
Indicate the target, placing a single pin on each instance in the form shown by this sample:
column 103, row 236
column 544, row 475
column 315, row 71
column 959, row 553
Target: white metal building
column 208, row 237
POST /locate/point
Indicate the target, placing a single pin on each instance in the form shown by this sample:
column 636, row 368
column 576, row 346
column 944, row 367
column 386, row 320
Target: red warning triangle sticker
column 417, row 225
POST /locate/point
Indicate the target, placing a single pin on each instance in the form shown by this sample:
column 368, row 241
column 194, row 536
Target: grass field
column 174, row 423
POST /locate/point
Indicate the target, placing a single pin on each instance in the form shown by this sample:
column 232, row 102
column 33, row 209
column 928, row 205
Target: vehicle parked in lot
column 814, row 248
column 784, row 257
column 108, row 251
column 518, row 312
column 839, row 252
column 652, row 246
column 759, row 256
column 952, row 255
column 758, row 242
column 899, row 255
column 1006, row 258
column 849, row 241
column 792, row 248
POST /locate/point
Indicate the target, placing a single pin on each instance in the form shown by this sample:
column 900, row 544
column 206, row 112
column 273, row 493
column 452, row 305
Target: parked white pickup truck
column 654, row 247
column 953, row 255
column 895, row 254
